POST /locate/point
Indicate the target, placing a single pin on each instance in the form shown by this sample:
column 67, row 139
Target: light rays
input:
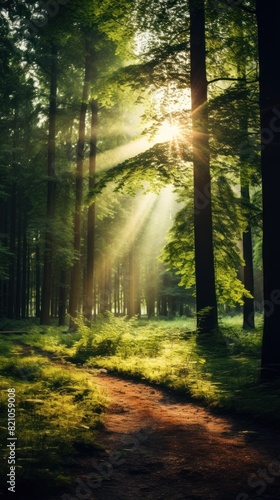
column 148, row 222
column 168, row 131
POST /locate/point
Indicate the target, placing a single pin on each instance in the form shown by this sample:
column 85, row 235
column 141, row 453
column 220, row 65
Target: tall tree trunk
column 91, row 213
column 105, row 285
column 131, row 304
column 24, row 291
column 12, row 266
column 248, row 272
column 37, row 279
column 47, row 271
column 4, row 223
column 150, row 290
column 75, row 287
column 13, row 221
column 18, row 266
column 268, row 16
column 62, row 298
column 29, row 284
column 206, row 302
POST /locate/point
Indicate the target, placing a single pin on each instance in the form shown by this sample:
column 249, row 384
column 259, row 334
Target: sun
column 168, row 132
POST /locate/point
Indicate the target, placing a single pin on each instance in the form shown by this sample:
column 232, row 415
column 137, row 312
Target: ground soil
column 158, row 446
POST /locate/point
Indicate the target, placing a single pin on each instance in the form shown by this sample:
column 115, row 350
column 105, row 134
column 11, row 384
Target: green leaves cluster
column 156, row 167
column 228, row 223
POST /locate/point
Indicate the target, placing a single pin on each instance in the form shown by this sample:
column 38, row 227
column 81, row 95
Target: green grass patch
column 221, row 370
column 58, row 410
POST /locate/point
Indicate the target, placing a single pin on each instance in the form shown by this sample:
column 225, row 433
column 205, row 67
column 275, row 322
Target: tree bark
column 268, row 16
column 248, row 271
column 206, row 302
column 37, row 279
column 48, row 250
column 14, row 212
column 91, row 213
column 75, row 286
column 24, row 289
column 18, row 266
column 131, row 304
column 62, row 298
column 12, row 266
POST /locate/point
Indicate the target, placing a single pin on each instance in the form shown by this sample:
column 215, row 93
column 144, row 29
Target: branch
column 232, row 80
column 240, row 6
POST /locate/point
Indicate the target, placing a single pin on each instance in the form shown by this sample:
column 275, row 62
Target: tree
column 206, row 302
column 91, row 212
column 48, row 252
column 268, row 17
column 76, row 270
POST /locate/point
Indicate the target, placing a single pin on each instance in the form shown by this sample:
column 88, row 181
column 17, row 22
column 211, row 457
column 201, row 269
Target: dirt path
column 158, row 447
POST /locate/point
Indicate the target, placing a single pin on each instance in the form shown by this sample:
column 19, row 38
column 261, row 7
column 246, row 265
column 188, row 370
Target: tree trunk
column 150, row 291
column 47, row 270
column 37, row 279
column 268, row 15
column 91, row 213
column 62, row 298
column 13, row 222
column 12, row 266
column 248, row 271
column 4, row 224
column 105, row 285
column 18, row 267
column 131, row 304
column 29, row 284
column 206, row 302
column 76, row 269
column 24, row 290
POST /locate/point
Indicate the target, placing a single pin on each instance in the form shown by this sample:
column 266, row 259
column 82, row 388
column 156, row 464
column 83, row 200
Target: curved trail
column 158, row 447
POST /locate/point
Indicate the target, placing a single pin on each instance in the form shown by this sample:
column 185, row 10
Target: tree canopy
column 115, row 117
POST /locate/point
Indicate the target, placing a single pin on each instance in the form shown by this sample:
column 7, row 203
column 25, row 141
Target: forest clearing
column 139, row 249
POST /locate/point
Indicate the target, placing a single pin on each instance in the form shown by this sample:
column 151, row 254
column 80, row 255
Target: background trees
column 104, row 108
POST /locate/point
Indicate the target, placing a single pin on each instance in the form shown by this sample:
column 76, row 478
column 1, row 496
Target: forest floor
column 160, row 446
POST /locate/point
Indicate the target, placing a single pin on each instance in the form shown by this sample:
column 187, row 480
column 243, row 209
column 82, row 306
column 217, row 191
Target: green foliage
column 58, row 409
column 101, row 339
column 228, row 222
column 31, row 366
column 58, row 406
column 162, row 164
column 222, row 371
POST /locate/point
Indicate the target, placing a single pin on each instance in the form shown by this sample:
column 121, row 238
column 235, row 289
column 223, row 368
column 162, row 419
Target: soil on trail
column 160, row 447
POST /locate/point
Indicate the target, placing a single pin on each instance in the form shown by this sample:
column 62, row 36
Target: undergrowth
column 222, row 370
column 58, row 409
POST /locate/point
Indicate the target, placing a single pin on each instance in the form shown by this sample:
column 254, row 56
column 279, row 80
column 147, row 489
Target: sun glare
column 168, row 132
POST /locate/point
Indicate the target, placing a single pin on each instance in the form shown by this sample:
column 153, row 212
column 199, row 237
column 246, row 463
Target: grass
column 221, row 370
column 58, row 409
column 58, row 406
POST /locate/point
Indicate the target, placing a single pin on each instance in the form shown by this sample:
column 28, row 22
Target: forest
column 139, row 196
